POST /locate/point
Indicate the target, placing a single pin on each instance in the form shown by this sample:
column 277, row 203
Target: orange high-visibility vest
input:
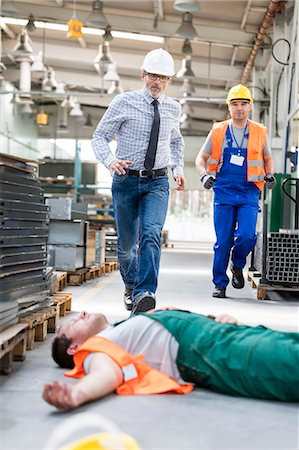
column 139, row 378
column 255, row 158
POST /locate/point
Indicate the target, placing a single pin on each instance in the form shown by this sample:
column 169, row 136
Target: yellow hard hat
column 104, row 441
column 239, row 92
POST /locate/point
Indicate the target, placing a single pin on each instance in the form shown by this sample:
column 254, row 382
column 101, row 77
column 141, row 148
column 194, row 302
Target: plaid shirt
column 129, row 120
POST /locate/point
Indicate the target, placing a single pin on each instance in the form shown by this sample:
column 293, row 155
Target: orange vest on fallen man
column 139, row 378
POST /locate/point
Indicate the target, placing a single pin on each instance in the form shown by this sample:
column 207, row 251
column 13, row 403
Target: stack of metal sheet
column 23, row 238
column 111, row 241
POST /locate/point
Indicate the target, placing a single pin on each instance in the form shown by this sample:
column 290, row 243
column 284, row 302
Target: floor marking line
column 84, row 298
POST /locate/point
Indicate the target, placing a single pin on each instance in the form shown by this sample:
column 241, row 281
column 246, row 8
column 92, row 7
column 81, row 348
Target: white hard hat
column 159, row 61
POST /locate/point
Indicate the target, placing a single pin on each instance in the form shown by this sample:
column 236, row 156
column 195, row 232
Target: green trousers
column 234, row 359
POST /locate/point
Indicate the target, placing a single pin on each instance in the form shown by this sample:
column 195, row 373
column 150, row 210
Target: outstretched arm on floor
column 103, row 378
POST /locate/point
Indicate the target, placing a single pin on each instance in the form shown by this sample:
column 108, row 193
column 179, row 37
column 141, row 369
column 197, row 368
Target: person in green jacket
column 217, row 353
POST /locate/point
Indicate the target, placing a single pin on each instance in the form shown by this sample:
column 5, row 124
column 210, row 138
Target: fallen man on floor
column 172, row 350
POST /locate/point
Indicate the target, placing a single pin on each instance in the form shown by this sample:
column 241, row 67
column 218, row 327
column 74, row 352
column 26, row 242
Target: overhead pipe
column 273, row 7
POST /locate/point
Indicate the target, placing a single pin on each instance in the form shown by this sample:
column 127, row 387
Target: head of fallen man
column 74, row 333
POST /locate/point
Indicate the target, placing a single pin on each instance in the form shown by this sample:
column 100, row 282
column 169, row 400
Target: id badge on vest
column 237, row 160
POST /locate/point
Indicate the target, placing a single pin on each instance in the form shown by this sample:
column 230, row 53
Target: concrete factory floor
column 200, row 420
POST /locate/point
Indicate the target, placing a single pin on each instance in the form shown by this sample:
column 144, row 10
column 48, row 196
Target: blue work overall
column 235, row 209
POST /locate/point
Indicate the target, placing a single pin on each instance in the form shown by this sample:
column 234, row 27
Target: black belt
column 148, row 174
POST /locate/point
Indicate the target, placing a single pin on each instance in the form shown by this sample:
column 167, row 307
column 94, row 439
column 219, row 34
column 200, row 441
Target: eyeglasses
column 154, row 77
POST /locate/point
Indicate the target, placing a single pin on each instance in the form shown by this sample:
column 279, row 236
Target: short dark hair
column 59, row 352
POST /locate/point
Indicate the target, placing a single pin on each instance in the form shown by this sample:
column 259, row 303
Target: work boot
column 237, row 278
column 128, row 301
column 219, row 292
column 144, row 302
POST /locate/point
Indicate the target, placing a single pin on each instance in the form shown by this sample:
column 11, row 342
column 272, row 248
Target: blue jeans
column 140, row 207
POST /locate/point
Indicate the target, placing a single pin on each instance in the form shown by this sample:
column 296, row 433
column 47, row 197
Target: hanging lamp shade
column 30, row 24
column 60, row 88
column 186, row 5
column 186, row 71
column 26, row 106
column 46, row 83
column 97, row 18
column 38, row 64
column 186, row 29
column 111, row 74
column 76, row 111
column 23, row 47
column 103, row 58
column 107, row 35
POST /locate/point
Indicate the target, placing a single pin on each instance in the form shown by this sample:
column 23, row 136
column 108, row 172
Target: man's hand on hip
column 270, row 181
column 207, row 180
column 119, row 166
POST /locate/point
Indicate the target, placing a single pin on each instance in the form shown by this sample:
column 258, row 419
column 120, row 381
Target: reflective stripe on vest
column 255, row 147
column 139, row 378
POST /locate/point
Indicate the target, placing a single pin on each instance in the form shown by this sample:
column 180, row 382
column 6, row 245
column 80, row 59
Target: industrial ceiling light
column 23, row 47
column 103, row 58
column 187, row 48
column 88, row 122
column 52, row 77
column 186, row 5
column 68, row 102
column 9, row 9
column 186, row 71
column 97, row 18
column 115, row 88
column 107, row 35
column 38, row 64
column 111, row 74
column 60, row 88
column 30, row 25
column 26, row 106
column 186, row 29
column 76, row 111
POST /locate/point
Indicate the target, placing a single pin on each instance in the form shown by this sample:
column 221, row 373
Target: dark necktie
column 150, row 157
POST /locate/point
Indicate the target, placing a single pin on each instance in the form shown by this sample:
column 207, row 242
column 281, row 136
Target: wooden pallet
column 40, row 324
column 76, row 277
column 13, row 342
column 61, row 280
column 254, row 278
column 63, row 300
column 95, row 272
column 110, row 266
column 277, row 292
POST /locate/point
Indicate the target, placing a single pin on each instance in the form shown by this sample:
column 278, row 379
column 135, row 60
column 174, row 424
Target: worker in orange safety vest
column 236, row 162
